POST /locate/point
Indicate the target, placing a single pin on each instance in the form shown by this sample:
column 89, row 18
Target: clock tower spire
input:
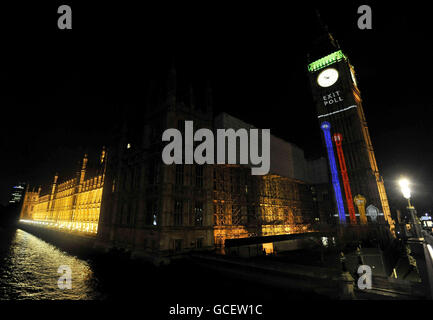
column 323, row 42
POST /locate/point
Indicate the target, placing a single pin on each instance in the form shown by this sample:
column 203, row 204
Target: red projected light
column 338, row 137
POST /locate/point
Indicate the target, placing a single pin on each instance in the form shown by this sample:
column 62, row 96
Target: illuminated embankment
column 30, row 271
column 81, row 227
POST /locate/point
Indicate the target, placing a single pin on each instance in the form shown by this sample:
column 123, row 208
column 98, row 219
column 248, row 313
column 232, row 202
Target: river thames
column 29, row 271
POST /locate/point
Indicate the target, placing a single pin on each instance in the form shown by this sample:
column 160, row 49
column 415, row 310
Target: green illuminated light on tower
column 326, row 61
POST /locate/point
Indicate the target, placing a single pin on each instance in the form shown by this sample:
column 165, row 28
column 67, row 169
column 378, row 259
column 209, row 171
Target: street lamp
column 405, row 190
column 421, row 251
column 404, row 186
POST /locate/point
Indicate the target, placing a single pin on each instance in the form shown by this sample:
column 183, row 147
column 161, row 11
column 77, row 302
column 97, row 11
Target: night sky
column 63, row 91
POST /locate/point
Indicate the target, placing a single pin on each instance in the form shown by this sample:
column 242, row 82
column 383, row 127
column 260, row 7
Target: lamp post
column 405, row 190
column 420, row 250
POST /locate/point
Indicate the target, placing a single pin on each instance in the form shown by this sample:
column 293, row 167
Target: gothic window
column 177, row 245
column 156, row 178
column 155, row 217
column 198, row 213
column 251, row 215
column 151, row 217
column 179, row 174
column 137, row 177
column 129, row 179
column 128, row 215
column 123, row 180
column 124, row 213
column 199, row 176
column 154, row 172
column 131, row 213
column 178, row 213
column 149, row 212
column 325, row 196
column 151, row 173
column 218, row 214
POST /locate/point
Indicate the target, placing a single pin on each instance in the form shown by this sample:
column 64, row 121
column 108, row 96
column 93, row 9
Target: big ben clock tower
column 339, row 110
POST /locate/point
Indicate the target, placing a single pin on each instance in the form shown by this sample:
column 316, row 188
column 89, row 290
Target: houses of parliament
column 71, row 204
column 133, row 201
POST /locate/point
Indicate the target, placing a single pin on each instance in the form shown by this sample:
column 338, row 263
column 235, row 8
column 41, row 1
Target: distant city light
column 17, row 193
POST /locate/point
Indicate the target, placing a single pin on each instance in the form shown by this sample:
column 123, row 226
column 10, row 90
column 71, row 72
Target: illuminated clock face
column 327, row 77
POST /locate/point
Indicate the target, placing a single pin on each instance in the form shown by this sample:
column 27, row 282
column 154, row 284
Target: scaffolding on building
column 252, row 206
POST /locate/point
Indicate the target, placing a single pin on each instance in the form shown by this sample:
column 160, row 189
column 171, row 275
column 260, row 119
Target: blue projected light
column 326, row 127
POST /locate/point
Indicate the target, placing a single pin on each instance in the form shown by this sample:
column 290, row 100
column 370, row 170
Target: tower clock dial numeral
column 327, row 77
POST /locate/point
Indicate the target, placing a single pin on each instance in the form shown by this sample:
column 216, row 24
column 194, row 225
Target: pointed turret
column 53, row 188
column 103, row 162
column 51, row 202
column 83, row 169
column 103, row 154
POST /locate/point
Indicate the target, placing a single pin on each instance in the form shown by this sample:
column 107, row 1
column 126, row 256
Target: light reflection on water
column 28, row 270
